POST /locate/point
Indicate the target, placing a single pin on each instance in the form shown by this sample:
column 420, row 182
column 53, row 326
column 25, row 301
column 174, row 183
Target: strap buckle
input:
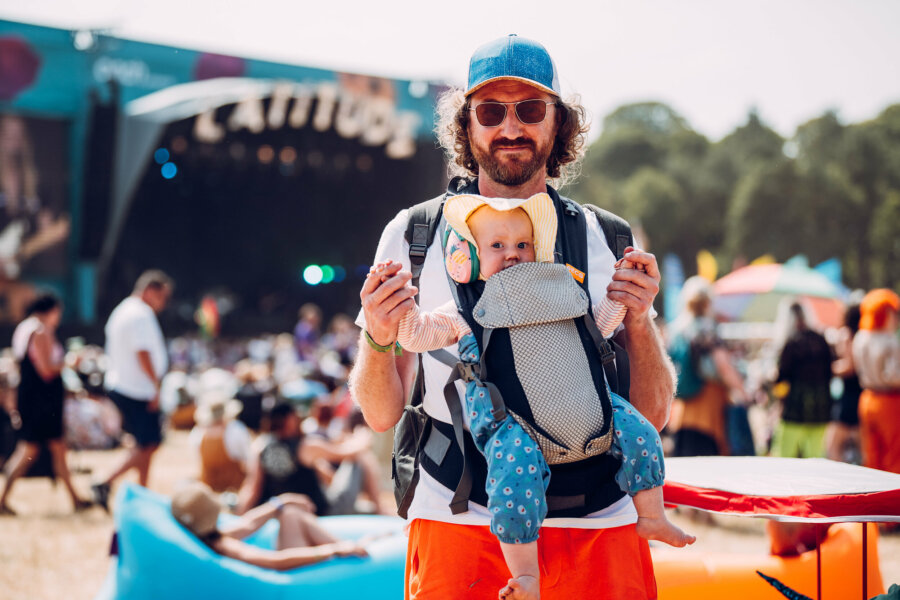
column 608, row 355
column 417, row 253
column 418, row 246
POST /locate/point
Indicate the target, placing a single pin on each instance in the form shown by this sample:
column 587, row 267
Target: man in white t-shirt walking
column 136, row 351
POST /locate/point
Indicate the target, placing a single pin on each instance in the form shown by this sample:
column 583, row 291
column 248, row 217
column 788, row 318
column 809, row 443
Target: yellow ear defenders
column 460, row 257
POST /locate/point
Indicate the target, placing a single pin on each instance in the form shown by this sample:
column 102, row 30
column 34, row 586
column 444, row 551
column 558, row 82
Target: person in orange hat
column 876, row 354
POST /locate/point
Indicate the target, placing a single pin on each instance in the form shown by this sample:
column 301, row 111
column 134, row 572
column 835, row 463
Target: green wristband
column 398, row 351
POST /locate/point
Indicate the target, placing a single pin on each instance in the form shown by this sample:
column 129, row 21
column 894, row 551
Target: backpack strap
column 467, row 373
column 460, row 501
column 571, row 241
column 420, row 231
column 618, row 236
column 421, row 227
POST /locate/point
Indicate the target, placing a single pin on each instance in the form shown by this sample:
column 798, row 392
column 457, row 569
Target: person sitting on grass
column 301, row 540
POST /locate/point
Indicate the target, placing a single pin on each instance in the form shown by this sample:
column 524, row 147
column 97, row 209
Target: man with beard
column 506, row 135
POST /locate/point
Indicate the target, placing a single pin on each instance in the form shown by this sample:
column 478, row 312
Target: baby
column 504, row 238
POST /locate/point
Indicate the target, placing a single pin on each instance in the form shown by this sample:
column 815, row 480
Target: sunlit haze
column 711, row 61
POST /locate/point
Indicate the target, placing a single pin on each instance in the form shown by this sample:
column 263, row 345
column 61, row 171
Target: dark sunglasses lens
column 531, row 111
column 490, row 114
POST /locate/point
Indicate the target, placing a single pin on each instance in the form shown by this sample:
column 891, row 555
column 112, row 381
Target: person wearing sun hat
column 301, row 540
column 222, row 441
column 509, row 134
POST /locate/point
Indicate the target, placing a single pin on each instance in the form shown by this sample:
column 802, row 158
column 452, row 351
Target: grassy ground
column 49, row 553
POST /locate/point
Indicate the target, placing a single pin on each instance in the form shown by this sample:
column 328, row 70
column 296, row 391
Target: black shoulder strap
column 618, row 237
column 420, row 230
column 421, row 226
column 571, row 241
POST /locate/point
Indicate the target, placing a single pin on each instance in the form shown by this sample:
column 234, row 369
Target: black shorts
column 138, row 420
column 42, row 426
column 847, row 408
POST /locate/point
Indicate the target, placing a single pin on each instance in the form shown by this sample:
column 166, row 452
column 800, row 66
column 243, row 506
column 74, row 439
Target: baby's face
column 504, row 238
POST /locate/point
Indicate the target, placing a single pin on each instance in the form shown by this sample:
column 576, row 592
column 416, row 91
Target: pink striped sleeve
column 608, row 314
column 423, row 331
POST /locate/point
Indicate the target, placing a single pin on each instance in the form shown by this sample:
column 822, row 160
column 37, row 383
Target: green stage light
column 327, row 274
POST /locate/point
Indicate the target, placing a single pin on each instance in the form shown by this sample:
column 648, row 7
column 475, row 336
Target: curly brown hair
column 452, row 129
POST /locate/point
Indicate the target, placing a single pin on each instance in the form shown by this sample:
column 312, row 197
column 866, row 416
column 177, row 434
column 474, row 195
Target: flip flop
column 6, row 511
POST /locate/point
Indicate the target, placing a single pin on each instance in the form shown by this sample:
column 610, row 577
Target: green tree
column 657, row 202
column 766, row 216
column 885, row 232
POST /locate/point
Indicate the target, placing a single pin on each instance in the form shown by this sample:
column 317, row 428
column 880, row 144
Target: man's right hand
column 386, row 296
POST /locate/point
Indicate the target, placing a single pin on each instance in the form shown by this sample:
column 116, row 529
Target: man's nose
column 511, row 126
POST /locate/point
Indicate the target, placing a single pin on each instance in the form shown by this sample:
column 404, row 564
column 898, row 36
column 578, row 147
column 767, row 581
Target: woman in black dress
column 39, row 397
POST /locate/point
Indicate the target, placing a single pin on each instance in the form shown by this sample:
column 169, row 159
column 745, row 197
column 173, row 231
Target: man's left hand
column 636, row 288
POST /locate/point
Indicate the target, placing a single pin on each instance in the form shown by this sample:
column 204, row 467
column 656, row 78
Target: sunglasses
column 529, row 112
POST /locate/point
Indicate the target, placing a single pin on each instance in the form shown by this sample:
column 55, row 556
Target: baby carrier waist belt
column 576, row 489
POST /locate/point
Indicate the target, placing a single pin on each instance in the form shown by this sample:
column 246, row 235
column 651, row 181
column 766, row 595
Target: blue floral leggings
column 517, row 475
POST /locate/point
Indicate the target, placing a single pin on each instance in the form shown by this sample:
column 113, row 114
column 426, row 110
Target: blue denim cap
column 513, row 58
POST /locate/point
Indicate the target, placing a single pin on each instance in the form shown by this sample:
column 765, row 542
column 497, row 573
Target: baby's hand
column 624, row 263
column 377, row 270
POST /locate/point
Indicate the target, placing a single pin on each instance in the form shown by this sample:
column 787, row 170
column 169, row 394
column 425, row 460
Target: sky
column 711, row 60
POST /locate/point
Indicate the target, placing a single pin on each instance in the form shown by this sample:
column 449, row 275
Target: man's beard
column 512, row 171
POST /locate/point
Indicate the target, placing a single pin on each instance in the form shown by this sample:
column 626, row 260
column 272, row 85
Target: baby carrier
column 524, row 318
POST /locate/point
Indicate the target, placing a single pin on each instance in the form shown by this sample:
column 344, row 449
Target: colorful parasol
column 754, row 292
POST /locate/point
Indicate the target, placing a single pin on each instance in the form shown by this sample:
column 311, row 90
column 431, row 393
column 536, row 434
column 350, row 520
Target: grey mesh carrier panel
column 538, row 303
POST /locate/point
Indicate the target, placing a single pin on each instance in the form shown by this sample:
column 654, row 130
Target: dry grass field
column 47, row 553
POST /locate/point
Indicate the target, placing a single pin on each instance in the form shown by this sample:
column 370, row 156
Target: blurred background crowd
column 793, row 390
column 223, row 391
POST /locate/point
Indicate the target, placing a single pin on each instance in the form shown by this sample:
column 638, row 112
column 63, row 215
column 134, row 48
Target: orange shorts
column 446, row 561
column 879, row 430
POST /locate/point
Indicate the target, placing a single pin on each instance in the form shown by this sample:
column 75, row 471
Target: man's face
column 511, row 153
column 157, row 298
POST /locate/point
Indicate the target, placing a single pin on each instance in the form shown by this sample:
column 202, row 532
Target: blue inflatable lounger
column 160, row 560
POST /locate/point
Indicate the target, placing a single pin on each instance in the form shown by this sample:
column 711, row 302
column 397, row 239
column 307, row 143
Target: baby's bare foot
column 663, row 531
column 523, row 587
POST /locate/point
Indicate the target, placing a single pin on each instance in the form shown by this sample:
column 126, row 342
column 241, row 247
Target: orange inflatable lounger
column 685, row 575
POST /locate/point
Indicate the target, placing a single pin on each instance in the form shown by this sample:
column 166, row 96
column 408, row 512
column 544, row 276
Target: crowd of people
column 268, row 416
column 823, row 390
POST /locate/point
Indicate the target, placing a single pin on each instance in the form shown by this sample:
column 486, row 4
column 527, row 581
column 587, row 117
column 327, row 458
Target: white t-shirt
column 133, row 327
column 431, row 500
